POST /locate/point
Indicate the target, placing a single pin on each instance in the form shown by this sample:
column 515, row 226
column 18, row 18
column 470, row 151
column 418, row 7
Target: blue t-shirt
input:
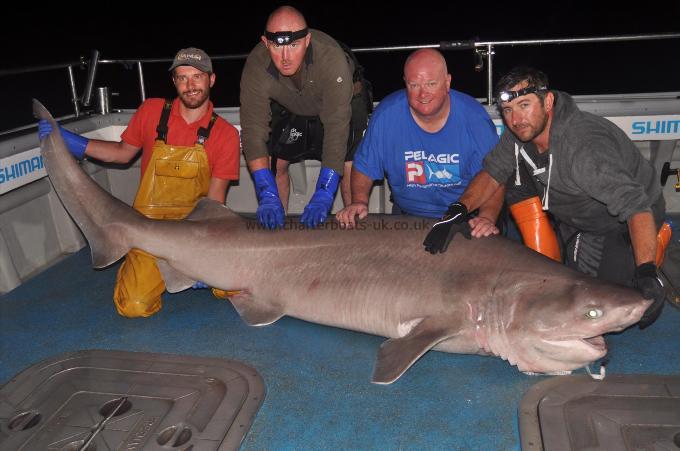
column 426, row 171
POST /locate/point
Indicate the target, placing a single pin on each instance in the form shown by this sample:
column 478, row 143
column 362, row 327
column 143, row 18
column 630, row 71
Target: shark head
column 559, row 325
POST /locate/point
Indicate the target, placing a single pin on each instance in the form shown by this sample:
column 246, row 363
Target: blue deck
column 319, row 393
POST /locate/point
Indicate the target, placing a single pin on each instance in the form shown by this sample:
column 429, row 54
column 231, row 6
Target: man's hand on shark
column 443, row 231
column 75, row 144
column 482, row 227
column 348, row 216
column 649, row 283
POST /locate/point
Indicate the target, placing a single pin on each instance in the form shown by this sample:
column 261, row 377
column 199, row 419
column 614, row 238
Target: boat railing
column 484, row 52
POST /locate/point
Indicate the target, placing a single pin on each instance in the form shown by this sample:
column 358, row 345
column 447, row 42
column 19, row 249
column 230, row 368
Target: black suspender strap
column 203, row 133
column 162, row 128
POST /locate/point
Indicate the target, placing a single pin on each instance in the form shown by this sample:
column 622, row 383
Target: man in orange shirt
column 188, row 152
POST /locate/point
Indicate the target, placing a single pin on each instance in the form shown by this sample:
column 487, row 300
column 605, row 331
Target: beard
column 195, row 101
column 533, row 132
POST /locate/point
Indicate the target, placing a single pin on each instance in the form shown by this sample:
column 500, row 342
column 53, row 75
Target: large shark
column 485, row 296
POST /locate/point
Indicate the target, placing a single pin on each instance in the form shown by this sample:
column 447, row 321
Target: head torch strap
column 285, row 37
column 506, row 96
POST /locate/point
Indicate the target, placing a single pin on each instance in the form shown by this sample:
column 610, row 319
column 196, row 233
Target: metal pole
column 489, row 75
column 91, row 75
column 74, row 95
column 140, row 73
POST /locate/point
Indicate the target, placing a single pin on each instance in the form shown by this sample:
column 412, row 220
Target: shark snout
column 632, row 314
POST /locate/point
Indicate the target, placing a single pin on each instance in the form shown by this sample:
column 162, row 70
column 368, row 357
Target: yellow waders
column 175, row 178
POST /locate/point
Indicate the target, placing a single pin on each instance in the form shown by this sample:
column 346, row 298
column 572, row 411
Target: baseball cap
column 192, row 57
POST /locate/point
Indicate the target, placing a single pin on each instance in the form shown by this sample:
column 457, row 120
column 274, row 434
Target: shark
column 489, row 296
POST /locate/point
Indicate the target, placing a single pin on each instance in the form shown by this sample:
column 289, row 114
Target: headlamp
column 285, row 37
column 507, row 96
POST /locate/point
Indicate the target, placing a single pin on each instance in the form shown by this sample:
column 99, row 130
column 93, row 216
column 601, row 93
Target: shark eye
column 594, row 313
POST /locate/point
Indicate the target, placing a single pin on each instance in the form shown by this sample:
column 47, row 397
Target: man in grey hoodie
column 603, row 195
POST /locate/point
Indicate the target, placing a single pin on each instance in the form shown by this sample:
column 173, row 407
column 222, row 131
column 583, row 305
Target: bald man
column 429, row 141
column 299, row 101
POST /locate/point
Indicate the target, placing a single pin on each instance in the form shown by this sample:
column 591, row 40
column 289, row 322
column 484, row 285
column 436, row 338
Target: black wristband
column 456, row 208
column 646, row 270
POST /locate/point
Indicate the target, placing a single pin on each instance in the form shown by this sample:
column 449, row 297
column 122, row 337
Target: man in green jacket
column 299, row 101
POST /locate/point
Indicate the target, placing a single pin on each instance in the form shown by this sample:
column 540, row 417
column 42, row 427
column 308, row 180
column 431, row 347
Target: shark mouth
column 596, row 342
column 568, row 353
column 560, row 355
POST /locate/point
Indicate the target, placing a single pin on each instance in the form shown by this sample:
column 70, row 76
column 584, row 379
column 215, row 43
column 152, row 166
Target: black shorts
column 296, row 138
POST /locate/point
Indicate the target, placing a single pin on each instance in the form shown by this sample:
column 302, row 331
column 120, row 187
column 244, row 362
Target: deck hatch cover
column 109, row 400
column 622, row 412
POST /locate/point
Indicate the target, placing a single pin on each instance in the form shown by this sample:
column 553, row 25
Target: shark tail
column 102, row 218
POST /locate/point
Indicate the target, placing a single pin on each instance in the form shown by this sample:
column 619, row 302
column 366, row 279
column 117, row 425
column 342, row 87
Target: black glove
column 454, row 221
column 648, row 282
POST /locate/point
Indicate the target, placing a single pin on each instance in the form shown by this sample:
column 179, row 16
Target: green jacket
column 326, row 92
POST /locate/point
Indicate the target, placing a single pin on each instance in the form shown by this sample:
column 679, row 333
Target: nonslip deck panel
column 622, row 412
column 129, row 400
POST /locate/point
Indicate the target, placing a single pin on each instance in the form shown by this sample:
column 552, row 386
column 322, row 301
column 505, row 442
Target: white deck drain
column 114, row 400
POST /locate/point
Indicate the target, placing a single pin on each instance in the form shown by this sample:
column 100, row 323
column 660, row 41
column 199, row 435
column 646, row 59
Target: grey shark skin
column 484, row 296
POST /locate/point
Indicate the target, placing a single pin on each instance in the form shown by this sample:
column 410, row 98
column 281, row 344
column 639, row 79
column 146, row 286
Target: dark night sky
column 33, row 35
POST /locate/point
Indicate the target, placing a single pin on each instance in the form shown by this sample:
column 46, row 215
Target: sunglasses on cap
column 507, row 96
column 285, row 37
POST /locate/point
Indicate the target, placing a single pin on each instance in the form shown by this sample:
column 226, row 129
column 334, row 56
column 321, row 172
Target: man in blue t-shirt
column 429, row 141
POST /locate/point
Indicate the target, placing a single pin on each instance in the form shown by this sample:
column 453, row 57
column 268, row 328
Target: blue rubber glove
column 76, row 144
column 270, row 211
column 443, row 231
column 319, row 205
column 199, row 285
column 648, row 282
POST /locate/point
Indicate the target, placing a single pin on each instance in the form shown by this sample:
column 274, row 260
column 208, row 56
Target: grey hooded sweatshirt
column 592, row 177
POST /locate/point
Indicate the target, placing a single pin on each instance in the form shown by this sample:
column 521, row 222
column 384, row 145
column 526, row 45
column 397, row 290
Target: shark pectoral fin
column 175, row 281
column 396, row 355
column 256, row 312
column 210, row 209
